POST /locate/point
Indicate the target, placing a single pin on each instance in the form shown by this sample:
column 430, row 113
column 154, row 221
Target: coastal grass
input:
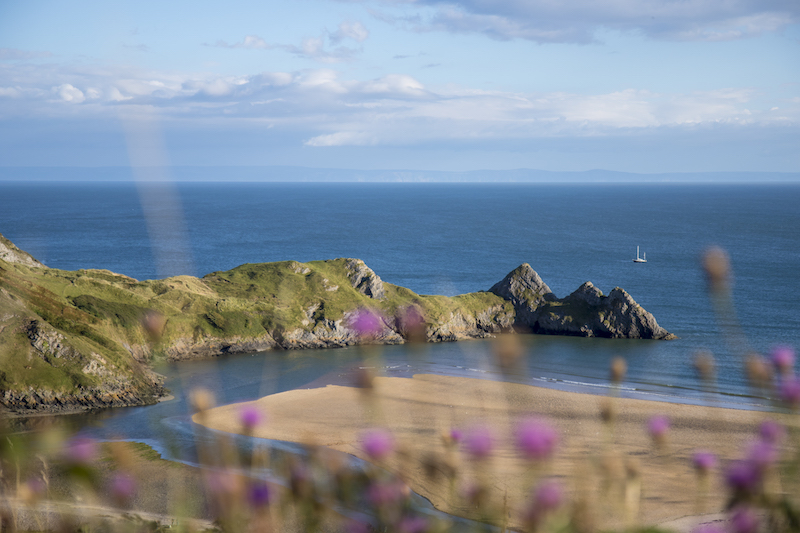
column 100, row 312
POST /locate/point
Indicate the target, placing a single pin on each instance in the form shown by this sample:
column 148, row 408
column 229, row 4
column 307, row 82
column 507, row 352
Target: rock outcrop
column 11, row 254
column 585, row 313
column 364, row 279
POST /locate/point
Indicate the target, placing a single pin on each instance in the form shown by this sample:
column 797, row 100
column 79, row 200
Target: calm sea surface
column 445, row 239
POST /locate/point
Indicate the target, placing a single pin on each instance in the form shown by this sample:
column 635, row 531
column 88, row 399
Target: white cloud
column 68, row 93
column 250, row 42
column 342, row 138
column 325, row 108
column 579, row 20
column 314, row 48
column 350, row 30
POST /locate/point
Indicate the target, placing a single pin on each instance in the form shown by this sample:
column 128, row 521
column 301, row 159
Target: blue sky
column 630, row 85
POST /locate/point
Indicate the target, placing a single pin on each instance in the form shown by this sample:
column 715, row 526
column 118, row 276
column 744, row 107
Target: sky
column 643, row 86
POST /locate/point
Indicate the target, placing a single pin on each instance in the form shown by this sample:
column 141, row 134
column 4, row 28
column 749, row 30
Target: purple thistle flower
column 456, row 435
column 547, row 497
column 383, row 494
column 478, row 442
column 81, row 450
column 783, row 358
column 790, row 391
column 378, row 443
column 259, row 494
column 744, row 520
column 771, row 431
column 250, row 416
column 704, row 461
column 743, row 476
column 366, row 323
column 536, row 438
column 658, row 426
column 122, row 487
column 761, row 454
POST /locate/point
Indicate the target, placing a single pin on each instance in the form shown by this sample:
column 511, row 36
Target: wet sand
column 614, row 470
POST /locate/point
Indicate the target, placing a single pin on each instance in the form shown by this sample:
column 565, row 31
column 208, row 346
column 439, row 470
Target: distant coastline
column 293, row 174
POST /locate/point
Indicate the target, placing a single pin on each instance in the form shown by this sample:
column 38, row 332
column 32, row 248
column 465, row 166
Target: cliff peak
column 11, row 254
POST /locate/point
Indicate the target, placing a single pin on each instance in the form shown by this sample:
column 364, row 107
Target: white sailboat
column 640, row 259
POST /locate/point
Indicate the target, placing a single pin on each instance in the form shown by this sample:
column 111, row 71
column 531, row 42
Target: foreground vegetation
column 321, row 492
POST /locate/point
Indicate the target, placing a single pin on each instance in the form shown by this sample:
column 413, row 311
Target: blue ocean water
column 451, row 239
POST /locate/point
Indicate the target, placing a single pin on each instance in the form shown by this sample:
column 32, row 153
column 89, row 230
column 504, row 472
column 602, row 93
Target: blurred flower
column 300, row 480
column 783, row 359
column 201, row 399
column 758, row 370
column 259, row 494
column 456, row 435
column 771, row 431
column 411, row 324
column 619, row 367
column 607, row 410
column 31, row 490
column 507, row 351
column 790, row 391
column 536, row 438
column 367, row 323
column 743, row 476
column 744, row 520
column 658, row 426
column 378, row 443
column 153, row 324
column 413, row 524
column 223, row 483
column 364, row 379
column 123, row 487
column 718, row 268
column 81, row 450
column 385, row 493
column 705, row 365
column 761, row 454
column 547, row 497
column 704, row 461
column 478, row 442
column 250, row 417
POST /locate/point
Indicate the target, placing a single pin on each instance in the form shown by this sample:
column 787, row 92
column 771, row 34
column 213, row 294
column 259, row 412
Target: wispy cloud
column 7, row 54
column 324, row 49
column 327, row 109
column 578, row 21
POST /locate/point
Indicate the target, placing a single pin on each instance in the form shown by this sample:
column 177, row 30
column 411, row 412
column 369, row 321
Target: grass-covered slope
column 81, row 339
column 85, row 338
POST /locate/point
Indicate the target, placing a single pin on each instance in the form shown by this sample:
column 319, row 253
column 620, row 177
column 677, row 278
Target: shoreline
column 419, row 410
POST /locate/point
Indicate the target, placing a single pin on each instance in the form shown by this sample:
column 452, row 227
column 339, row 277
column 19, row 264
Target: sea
column 446, row 238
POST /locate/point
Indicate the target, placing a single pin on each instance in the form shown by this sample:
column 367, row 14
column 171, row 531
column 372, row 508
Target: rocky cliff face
column 585, row 313
column 100, row 382
column 11, row 254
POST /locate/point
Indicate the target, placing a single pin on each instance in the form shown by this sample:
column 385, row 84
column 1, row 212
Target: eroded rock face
column 183, row 349
column 364, row 279
column 11, row 254
column 585, row 312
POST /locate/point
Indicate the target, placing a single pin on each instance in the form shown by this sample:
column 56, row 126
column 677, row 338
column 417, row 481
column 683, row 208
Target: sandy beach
column 614, row 470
